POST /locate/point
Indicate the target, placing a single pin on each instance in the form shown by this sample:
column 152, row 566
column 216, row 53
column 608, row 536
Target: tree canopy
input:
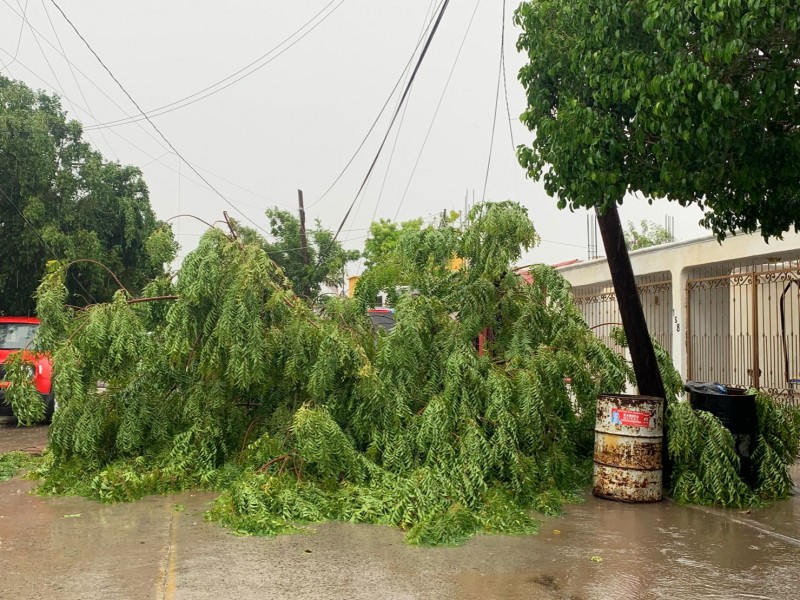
column 383, row 239
column 648, row 234
column 326, row 256
column 696, row 102
column 300, row 415
column 59, row 199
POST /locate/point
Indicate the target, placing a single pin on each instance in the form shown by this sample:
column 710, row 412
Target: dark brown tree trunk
column 645, row 366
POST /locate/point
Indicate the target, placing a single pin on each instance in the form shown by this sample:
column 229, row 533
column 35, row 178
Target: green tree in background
column 696, row 102
column 647, row 235
column 384, row 236
column 60, row 200
column 326, row 257
column 410, row 255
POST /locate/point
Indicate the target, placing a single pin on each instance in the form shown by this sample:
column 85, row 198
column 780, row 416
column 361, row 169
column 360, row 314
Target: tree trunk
column 645, row 366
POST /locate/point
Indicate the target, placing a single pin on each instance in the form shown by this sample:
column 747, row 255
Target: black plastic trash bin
column 736, row 410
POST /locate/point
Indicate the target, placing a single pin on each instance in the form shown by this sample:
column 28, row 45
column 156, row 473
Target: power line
column 406, row 91
column 87, row 77
column 153, row 125
column 25, row 21
column 74, row 77
column 193, row 98
column 496, row 102
column 505, row 79
column 438, row 106
column 112, row 100
column 19, row 37
column 562, row 244
column 145, row 152
column 399, row 129
column 87, row 111
column 377, row 119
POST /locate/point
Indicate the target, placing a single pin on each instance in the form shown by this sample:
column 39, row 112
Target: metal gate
column 599, row 307
column 734, row 332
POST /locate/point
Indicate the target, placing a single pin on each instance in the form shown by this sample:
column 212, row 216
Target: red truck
column 16, row 335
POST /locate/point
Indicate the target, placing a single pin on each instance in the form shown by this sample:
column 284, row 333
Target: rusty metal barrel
column 627, row 448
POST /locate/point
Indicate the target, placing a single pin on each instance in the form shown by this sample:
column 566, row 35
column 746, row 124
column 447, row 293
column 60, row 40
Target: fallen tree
column 228, row 381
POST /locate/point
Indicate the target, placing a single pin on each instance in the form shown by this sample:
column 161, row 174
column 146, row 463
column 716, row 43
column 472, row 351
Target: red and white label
column 630, row 418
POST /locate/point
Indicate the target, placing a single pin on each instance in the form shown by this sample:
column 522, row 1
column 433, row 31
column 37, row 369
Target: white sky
column 297, row 121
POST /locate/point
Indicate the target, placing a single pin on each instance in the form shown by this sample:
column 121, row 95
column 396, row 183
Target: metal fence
column 598, row 304
column 737, row 333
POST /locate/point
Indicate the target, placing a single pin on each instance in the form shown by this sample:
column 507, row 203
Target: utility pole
column 303, row 240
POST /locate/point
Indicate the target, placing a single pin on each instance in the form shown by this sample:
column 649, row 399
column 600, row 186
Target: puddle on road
column 646, row 551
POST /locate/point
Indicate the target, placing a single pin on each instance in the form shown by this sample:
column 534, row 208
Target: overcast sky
column 296, row 121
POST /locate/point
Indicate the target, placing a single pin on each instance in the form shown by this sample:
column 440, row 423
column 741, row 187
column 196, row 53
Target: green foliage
column 12, row 463
column 705, row 465
column 777, row 447
column 383, row 239
column 649, row 234
column 326, row 258
column 299, row 415
column 696, row 102
column 55, row 188
column 21, row 394
column 706, row 468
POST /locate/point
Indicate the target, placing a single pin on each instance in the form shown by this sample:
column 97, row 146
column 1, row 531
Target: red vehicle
column 16, row 335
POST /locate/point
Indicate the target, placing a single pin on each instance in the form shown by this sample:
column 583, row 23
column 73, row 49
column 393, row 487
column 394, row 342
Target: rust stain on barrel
column 629, row 453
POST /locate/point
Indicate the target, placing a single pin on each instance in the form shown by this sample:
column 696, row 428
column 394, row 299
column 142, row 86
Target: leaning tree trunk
column 645, row 366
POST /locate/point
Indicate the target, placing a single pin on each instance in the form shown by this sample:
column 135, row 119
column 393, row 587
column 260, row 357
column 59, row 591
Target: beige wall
column 682, row 260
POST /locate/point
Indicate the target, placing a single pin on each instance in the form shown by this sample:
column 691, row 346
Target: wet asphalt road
column 68, row 548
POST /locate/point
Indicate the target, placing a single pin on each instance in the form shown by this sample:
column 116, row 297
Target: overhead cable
column 88, row 112
column 232, row 78
column 438, row 106
column 152, row 124
column 505, row 81
column 399, row 129
column 406, row 91
column 19, row 37
column 496, row 103
column 75, row 77
column 158, row 159
column 377, row 118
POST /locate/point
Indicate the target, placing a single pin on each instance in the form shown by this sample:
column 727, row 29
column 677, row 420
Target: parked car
column 382, row 317
column 16, row 335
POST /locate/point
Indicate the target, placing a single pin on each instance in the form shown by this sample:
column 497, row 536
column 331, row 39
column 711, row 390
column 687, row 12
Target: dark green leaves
column 60, row 200
column 694, row 102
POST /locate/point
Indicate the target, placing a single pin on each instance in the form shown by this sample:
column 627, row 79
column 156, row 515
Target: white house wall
column 721, row 320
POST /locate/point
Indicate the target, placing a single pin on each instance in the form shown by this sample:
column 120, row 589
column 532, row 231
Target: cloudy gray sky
column 299, row 113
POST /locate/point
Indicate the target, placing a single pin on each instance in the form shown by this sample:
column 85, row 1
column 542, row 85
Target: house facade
column 727, row 312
